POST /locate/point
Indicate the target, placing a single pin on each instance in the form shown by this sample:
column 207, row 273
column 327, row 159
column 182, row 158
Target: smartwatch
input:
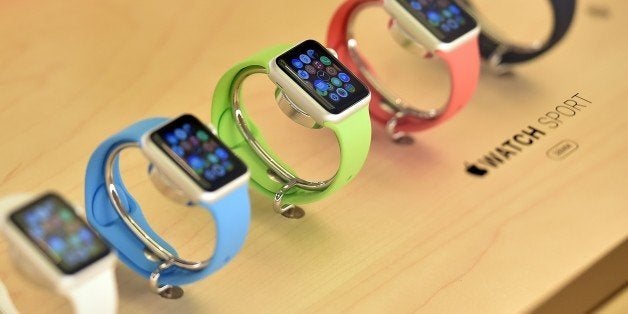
column 189, row 163
column 55, row 248
column 500, row 53
column 315, row 90
column 441, row 28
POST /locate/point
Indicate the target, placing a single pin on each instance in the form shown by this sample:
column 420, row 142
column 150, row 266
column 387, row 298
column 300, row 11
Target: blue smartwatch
column 188, row 161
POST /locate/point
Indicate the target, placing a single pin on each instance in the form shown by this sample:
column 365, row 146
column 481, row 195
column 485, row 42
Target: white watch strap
column 99, row 295
column 6, row 304
column 6, row 205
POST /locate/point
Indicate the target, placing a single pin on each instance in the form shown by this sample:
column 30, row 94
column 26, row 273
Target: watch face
column 198, row 152
column 444, row 18
column 55, row 229
column 322, row 76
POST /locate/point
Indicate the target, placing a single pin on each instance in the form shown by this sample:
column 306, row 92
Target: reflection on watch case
column 53, row 226
column 198, row 152
column 322, row 76
column 444, row 18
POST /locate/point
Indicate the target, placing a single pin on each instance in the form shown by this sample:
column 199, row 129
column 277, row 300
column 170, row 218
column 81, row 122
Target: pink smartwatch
column 436, row 27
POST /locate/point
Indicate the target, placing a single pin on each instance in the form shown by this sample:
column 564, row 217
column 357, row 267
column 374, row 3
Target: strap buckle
column 399, row 137
column 390, row 101
column 495, row 61
column 153, row 250
column 275, row 170
column 166, row 291
column 287, row 210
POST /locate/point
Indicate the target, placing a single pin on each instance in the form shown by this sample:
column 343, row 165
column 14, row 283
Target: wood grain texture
column 412, row 233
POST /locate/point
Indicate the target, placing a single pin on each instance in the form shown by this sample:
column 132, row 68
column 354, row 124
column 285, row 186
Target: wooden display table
column 413, row 232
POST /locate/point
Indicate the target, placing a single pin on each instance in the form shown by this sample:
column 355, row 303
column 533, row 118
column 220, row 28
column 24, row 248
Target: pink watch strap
column 463, row 63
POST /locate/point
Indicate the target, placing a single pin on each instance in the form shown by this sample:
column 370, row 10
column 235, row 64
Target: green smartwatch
column 315, row 90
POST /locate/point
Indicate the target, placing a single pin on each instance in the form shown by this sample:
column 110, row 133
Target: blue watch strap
column 231, row 215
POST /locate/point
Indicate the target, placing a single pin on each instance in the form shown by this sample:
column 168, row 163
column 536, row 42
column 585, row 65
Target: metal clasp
column 275, row 170
column 287, row 210
column 166, row 291
column 495, row 61
column 153, row 250
column 390, row 101
column 398, row 137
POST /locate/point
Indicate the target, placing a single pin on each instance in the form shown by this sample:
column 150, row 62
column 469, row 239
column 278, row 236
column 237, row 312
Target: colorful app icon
column 66, row 215
column 310, row 69
column 212, row 158
column 334, row 97
column 85, row 235
column 196, row 162
column 322, row 92
column 452, row 24
column 303, row 74
column 202, row 135
column 194, row 141
column 209, row 175
column 337, row 82
column 186, row 146
column 331, row 71
column 318, row 65
column 320, row 85
column 180, row 134
column 171, row 139
column 344, row 77
column 297, row 63
column 341, row 92
column 209, row 146
column 323, row 75
column 433, row 17
column 416, row 5
column 311, row 53
column 350, row 88
column 218, row 170
column 454, row 9
column 178, row 150
column 305, row 59
column 325, row 60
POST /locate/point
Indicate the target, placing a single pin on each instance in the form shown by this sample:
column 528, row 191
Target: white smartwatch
column 54, row 247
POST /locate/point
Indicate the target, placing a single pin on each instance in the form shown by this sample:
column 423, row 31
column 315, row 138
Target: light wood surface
column 412, row 233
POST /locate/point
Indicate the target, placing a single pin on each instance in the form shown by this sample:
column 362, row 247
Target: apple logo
column 475, row 170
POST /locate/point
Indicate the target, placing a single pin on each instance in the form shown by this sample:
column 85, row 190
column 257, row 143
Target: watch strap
column 562, row 12
column 96, row 293
column 231, row 215
column 338, row 38
column 463, row 64
column 353, row 133
column 99, row 294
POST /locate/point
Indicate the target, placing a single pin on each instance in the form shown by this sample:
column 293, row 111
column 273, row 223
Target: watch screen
column 53, row 226
column 198, row 152
column 322, row 76
column 444, row 18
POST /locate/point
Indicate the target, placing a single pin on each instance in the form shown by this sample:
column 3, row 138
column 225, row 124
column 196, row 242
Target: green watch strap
column 353, row 133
